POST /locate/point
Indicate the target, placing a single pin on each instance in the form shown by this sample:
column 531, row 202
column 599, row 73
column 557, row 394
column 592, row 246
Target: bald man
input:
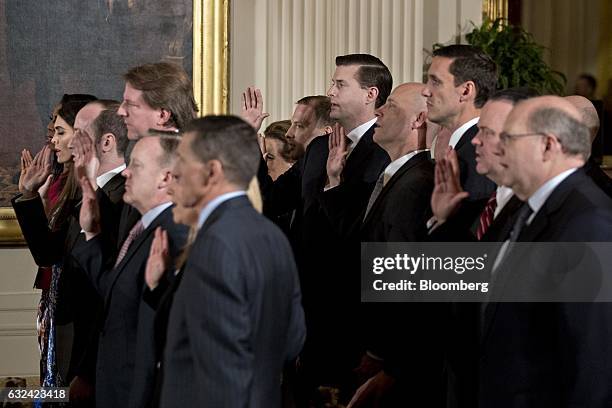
column 590, row 118
column 547, row 354
column 397, row 211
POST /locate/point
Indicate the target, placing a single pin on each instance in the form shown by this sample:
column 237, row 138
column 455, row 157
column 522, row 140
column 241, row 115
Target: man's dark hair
column 590, row 80
column 514, row 95
column 321, row 106
column 169, row 144
column 165, row 86
column 372, row 73
column 229, row 140
column 471, row 64
column 109, row 122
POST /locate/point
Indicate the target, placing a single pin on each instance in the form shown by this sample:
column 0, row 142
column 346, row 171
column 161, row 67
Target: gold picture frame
column 210, row 83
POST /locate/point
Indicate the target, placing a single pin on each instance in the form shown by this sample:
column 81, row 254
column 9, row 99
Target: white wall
column 18, row 303
column 287, row 47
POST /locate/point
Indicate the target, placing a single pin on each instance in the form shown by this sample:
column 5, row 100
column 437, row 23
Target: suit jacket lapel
column 467, row 137
column 135, row 246
column 417, row 160
column 531, row 233
column 552, row 204
column 360, row 153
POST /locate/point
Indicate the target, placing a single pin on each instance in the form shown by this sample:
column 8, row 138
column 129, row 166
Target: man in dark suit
column 360, row 84
column 494, row 224
column 126, row 356
column 236, row 317
column 397, row 211
column 99, row 121
column 546, row 354
column 459, row 82
column 449, row 204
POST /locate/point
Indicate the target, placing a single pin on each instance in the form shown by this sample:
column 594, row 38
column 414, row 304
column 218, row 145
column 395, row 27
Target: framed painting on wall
column 51, row 48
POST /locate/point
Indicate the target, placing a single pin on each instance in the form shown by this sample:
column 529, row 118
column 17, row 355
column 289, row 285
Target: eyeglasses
column 505, row 137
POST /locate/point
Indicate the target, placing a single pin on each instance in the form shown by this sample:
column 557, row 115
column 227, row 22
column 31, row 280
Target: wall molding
column 19, row 301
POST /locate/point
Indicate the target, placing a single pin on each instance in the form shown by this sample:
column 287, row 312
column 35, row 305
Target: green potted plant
column 519, row 58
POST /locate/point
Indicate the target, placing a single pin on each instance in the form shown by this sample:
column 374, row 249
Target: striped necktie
column 486, row 217
column 134, row 233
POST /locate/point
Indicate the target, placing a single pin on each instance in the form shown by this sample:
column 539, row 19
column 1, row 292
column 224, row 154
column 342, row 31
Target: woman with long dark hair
column 44, row 208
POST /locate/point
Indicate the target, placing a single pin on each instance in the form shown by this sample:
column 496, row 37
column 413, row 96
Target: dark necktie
column 375, row 193
column 520, row 222
column 133, row 234
column 486, row 217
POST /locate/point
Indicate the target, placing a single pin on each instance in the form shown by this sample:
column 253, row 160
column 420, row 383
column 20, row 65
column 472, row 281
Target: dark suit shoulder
column 115, row 188
column 476, row 184
column 599, row 177
column 577, row 210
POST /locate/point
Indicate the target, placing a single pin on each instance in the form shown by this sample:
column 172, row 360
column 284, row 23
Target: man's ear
column 468, row 91
column 552, row 147
column 107, row 142
column 215, row 171
column 164, row 117
column 324, row 130
column 166, row 178
column 372, row 94
column 420, row 120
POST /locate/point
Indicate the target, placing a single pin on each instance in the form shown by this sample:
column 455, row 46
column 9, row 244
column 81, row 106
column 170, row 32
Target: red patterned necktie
column 486, row 217
column 134, row 233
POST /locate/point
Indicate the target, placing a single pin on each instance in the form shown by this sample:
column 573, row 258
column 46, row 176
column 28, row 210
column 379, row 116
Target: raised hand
column 36, row 173
column 26, row 161
column 252, row 107
column 89, row 216
column 336, row 159
column 86, row 162
column 158, row 258
column 448, row 193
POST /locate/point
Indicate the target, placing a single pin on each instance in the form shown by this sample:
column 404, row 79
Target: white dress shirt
column 458, row 133
column 102, row 179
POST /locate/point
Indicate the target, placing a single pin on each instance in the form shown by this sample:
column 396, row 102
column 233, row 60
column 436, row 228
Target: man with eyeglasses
column 448, row 194
column 547, row 354
column 494, row 223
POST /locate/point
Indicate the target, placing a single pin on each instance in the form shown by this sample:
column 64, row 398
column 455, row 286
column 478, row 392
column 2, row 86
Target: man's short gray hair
column 573, row 135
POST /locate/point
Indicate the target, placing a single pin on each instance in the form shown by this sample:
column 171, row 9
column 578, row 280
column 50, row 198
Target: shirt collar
column 396, row 164
column 153, row 213
column 355, row 134
column 502, row 196
column 537, row 199
column 456, row 136
column 213, row 204
column 102, row 179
